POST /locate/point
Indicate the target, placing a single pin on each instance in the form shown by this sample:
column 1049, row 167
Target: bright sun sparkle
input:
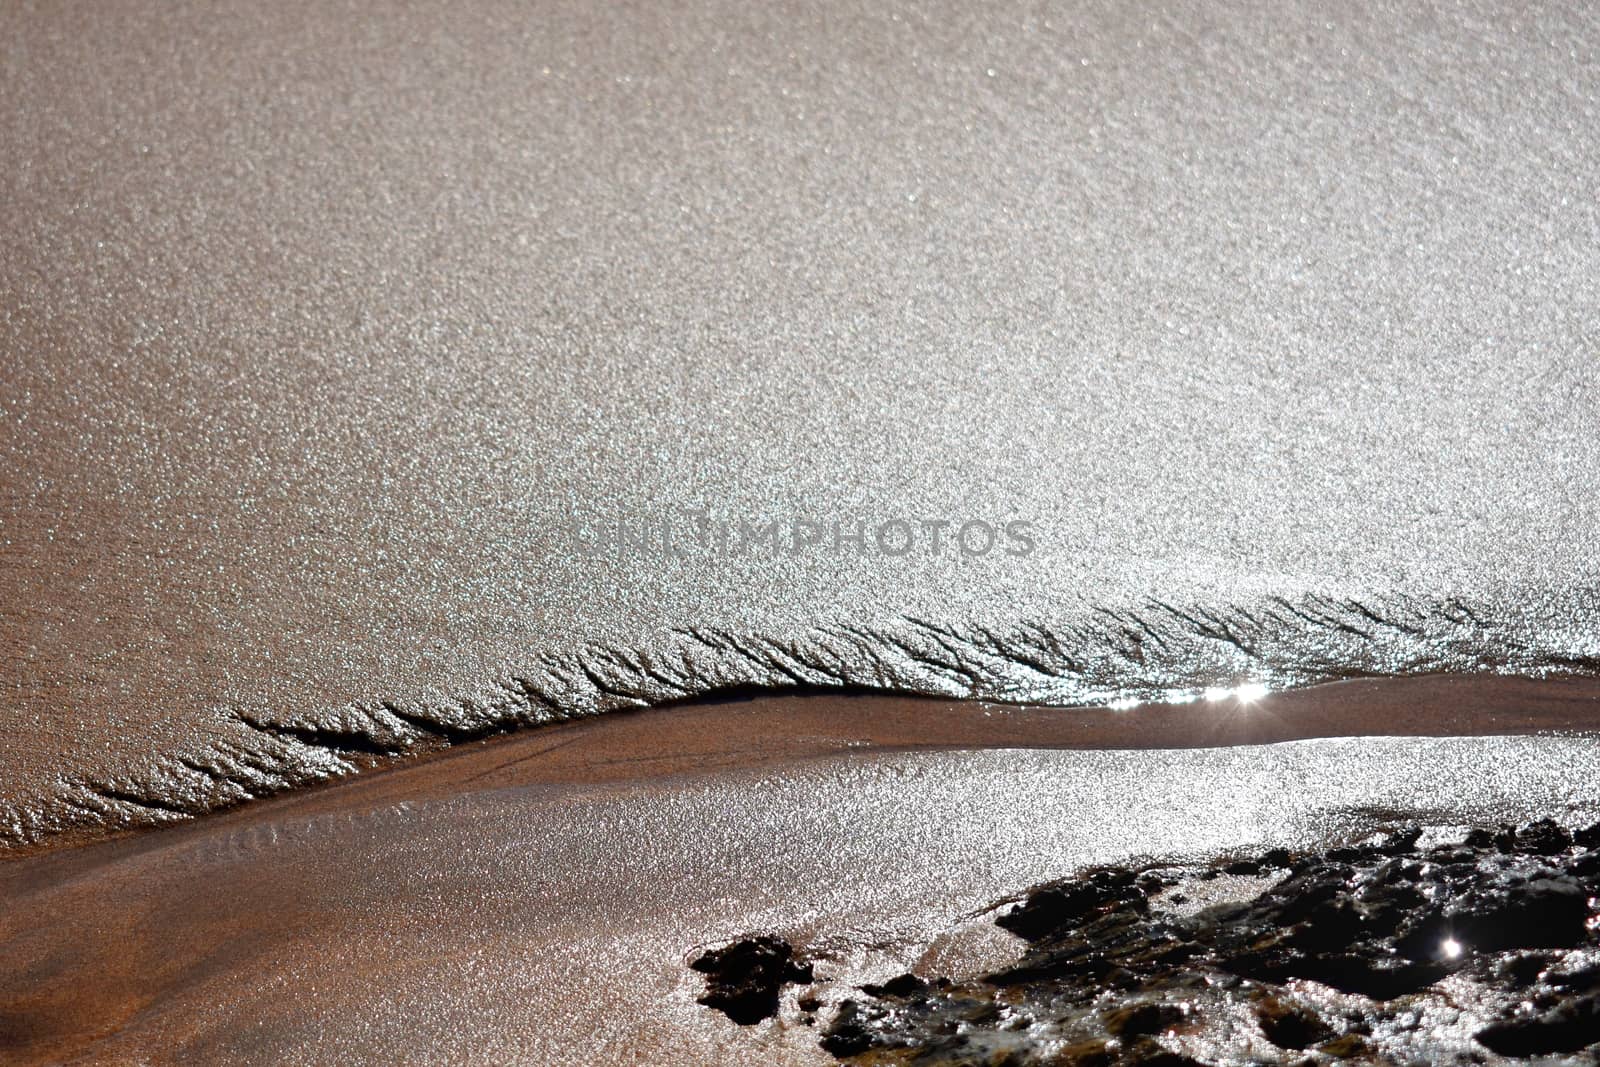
column 1450, row 947
column 1248, row 693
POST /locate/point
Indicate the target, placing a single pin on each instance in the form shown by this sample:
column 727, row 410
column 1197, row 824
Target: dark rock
column 1330, row 926
column 1298, row 896
column 1586, row 866
column 1567, row 1027
column 853, row 1032
column 1153, row 881
column 1147, row 1053
column 1423, row 934
column 743, row 979
column 1582, row 978
column 1346, row 1047
column 1291, row 1026
column 1276, row 857
column 1378, row 978
column 1543, row 838
column 1086, row 1054
column 1107, row 964
column 1142, row 1020
column 1524, row 969
column 902, row 986
column 1401, row 841
column 1058, row 908
column 1543, row 913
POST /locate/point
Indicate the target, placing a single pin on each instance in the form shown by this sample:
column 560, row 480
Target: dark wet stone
column 1060, row 907
column 1586, row 866
column 1349, row 855
column 1154, row 880
column 1087, row 1054
column 1378, row 978
column 1399, row 842
column 902, row 986
column 743, row 979
column 1291, row 1026
column 1523, row 970
column 1544, row 838
column 1542, row 913
column 1142, row 1020
column 1146, row 1053
column 853, row 1032
column 1112, row 970
column 1330, row 926
column 1347, row 1047
column 1276, row 857
column 1298, row 897
column 1581, row 979
column 1566, row 1027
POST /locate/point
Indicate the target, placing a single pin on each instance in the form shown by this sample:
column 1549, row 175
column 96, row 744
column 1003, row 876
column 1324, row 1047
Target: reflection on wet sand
column 536, row 899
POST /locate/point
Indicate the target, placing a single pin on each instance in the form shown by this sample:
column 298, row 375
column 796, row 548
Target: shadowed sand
column 534, row 899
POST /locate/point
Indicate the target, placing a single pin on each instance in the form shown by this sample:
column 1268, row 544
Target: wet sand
column 322, row 336
column 535, row 899
column 777, row 730
column 319, row 329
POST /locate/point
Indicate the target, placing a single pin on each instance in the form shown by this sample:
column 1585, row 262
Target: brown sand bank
column 700, row 737
column 534, row 900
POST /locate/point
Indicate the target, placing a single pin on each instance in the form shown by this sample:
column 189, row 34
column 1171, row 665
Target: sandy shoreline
column 534, row 899
column 380, row 389
column 321, row 332
column 698, row 736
